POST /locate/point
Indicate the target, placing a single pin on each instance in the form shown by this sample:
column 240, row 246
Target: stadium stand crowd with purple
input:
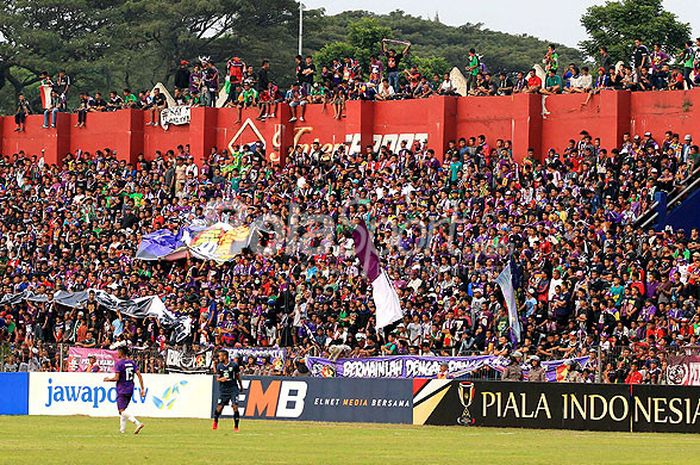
column 586, row 275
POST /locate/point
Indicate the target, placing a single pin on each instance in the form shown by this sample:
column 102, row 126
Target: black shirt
column 641, row 55
column 392, row 63
column 263, row 80
column 228, row 371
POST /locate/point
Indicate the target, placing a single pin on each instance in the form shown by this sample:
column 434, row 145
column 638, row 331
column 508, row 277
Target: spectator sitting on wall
column 159, row 103
column 296, row 99
column 534, row 83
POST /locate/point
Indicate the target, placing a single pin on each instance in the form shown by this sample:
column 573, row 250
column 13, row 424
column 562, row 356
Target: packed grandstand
column 592, row 286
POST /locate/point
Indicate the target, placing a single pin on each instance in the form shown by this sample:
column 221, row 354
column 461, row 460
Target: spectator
column 157, row 105
column 23, row 110
column 296, row 99
column 51, row 112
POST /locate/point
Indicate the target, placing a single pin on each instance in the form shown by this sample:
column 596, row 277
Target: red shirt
column 634, row 377
column 534, row 81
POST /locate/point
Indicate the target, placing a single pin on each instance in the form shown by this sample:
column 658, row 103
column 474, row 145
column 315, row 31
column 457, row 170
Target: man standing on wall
column 641, row 57
column 472, row 68
column 392, row 62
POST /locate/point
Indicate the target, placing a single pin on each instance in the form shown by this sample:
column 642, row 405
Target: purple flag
column 364, row 249
column 384, row 295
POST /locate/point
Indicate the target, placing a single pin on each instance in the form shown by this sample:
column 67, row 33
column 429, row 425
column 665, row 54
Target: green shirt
column 248, row 96
column 552, row 81
column 474, row 65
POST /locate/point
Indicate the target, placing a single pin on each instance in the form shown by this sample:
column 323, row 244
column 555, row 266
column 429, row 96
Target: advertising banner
column 598, row 407
column 78, row 359
column 410, row 366
column 667, row 409
column 172, row 396
column 684, row 370
column 312, row 399
column 14, row 391
column 179, row 361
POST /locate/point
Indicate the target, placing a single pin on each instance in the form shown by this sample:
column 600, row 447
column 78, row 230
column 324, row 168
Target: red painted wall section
column 666, row 111
column 527, row 120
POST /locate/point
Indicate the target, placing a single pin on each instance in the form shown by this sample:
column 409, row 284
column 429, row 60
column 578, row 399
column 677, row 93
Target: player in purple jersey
column 124, row 372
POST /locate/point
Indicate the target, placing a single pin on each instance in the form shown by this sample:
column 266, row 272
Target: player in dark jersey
column 228, row 374
column 124, row 372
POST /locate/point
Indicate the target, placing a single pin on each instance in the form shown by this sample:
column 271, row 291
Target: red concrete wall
column 526, row 120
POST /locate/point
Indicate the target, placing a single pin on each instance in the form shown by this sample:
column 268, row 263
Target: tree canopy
column 615, row 25
column 109, row 44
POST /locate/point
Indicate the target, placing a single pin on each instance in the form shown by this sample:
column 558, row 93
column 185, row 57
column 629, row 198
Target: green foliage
column 110, row 44
column 615, row 25
column 428, row 66
column 333, row 50
column 367, row 34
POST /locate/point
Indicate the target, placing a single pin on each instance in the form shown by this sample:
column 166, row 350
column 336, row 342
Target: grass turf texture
column 84, row 440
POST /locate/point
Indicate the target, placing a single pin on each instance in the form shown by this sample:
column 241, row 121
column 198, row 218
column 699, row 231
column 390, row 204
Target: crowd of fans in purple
column 588, row 276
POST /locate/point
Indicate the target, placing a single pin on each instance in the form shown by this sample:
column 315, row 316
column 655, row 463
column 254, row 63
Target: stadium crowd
column 587, row 276
column 385, row 77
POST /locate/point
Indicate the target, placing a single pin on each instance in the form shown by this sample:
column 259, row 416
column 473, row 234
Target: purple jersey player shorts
column 123, row 401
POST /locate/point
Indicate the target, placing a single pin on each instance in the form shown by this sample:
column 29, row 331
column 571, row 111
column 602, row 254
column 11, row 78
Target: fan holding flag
column 506, row 280
column 386, row 300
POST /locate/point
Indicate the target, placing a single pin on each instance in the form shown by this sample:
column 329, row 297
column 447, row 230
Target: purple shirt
column 126, row 369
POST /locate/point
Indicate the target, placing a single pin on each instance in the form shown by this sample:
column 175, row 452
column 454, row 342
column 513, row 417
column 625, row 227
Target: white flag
column 386, row 300
column 505, row 281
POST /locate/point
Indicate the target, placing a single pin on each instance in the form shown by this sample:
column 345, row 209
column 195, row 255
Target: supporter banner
column 220, row 242
column 78, row 359
column 312, row 399
column 276, row 355
column 600, row 407
column 684, row 370
column 169, row 396
column 179, row 361
column 409, row 366
column 141, row 307
column 14, row 393
column 178, row 115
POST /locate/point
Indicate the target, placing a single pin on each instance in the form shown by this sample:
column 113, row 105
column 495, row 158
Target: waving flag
column 505, row 282
column 383, row 293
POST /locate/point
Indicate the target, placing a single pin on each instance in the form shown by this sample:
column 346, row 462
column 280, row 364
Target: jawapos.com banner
column 317, row 399
column 172, row 396
column 599, row 407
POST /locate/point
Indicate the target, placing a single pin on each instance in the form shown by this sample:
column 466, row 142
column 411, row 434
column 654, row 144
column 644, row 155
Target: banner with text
column 409, row 366
column 313, row 399
column 171, row 396
column 181, row 361
column 684, row 370
column 78, row 359
column 178, row 116
column 599, row 407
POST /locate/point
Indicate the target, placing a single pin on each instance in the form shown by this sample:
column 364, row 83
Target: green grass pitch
column 84, row 440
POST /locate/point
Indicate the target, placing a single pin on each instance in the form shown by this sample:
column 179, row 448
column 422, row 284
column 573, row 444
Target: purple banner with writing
column 410, row 366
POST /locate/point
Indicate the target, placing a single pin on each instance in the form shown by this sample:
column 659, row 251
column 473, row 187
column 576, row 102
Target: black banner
column 318, row 399
column 599, row 407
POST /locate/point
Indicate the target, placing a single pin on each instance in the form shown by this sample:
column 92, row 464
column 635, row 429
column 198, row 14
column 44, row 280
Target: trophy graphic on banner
column 466, row 397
